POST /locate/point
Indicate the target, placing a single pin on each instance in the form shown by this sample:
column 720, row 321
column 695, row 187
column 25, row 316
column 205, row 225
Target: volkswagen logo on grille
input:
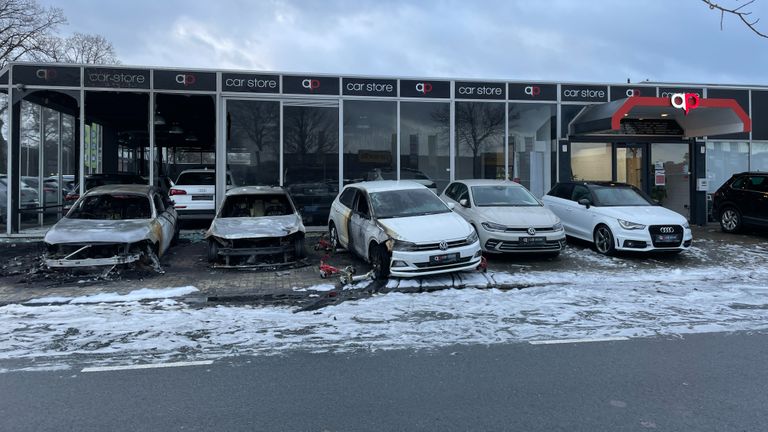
column 531, row 231
column 667, row 230
column 443, row 245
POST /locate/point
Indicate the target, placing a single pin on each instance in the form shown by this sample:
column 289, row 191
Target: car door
column 358, row 224
column 581, row 217
column 166, row 221
column 341, row 213
column 757, row 191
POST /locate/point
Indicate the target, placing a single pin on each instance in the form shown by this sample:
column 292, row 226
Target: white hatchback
column 617, row 216
column 194, row 193
column 507, row 217
column 403, row 229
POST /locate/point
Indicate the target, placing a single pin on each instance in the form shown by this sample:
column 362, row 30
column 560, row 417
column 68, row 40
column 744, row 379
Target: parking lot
column 185, row 265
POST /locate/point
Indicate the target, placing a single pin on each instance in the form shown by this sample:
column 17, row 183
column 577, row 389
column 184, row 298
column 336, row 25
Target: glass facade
column 253, row 142
column 591, row 161
column 725, row 158
column 480, row 140
column 758, row 158
column 425, row 143
column 370, row 140
column 532, row 137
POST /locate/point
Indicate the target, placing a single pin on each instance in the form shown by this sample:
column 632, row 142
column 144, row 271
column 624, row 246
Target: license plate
column 531, row 240
column 444, row 259
column 667, row 238
column 202, row 197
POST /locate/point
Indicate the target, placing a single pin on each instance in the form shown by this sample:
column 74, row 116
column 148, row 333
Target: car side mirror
column 585, row 202
column 464, row 202
column 451, row 206
column 656, row 202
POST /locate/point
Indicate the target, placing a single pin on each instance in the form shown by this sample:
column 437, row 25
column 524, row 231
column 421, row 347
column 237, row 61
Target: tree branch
column 744, row 16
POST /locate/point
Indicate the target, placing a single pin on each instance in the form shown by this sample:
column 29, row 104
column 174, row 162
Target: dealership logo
column 423, row 88
column 531, row 231
column 185, row 79
column 46, row 74
column 532, row 91
column 685, row 101
column 633, row 92
column 311, row 84
column 667, row 230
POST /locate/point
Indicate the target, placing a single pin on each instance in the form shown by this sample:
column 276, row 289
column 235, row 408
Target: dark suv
column 742, row 200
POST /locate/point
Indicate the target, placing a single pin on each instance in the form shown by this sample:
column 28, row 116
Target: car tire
column 213, row 251
column 379, row 257
column 730, row 220
column 603, row 239
column 298, row 247
column 333, row 237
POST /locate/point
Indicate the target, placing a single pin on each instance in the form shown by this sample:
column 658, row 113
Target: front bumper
column 409, row 264
column 642, row 241
column 520, row 242
column 92, row 262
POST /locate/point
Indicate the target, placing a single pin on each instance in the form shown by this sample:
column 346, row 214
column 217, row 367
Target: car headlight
column 686, row 225
column 490, row 226
column 630, row 225
column 404, row 246
column 557, row 227
column 472, row 237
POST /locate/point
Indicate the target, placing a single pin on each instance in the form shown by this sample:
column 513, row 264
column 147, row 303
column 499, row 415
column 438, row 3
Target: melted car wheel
column 298, row 247
column 730, row 220
column 379, row 262
column 213, row 250
column 333, row 237
column 604, row 240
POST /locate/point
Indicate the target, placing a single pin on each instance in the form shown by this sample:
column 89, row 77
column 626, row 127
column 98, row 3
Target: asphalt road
column 704, row 382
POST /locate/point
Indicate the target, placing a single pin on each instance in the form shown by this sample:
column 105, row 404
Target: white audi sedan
column 507, row 217
column 617, row 216
column 403, row 229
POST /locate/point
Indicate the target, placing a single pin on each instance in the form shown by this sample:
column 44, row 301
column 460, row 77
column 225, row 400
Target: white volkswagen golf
column 617, row 216
column 403, row 229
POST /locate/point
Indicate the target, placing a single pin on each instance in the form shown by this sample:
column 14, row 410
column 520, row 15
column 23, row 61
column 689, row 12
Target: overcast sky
column 558, row 40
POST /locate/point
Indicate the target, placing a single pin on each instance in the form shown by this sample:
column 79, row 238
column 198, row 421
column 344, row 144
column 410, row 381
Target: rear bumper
column 195, row 213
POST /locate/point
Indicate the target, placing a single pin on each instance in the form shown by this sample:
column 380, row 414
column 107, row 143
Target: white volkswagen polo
column 403, row 229
column 617, row 216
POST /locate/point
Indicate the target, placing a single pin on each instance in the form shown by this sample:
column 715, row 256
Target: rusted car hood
column 258, row 227
column 99, row 231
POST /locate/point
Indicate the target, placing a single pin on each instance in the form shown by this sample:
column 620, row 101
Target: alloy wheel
column 729, row 220
column 603, row 240
column 333, row 237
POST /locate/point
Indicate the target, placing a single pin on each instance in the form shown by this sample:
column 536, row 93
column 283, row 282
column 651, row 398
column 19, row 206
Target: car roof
column 135, row 189
column 256, row 190
column 488, row 182
column 387, row 185
column 598, row 183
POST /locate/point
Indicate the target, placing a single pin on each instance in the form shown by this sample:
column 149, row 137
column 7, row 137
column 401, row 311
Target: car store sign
column 684, row 101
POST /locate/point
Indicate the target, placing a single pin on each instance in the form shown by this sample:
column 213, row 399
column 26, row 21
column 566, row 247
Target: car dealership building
column 315, row 133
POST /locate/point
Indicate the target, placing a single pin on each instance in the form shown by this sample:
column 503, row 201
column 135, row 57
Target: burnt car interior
column 112, row 207
column 256, row 206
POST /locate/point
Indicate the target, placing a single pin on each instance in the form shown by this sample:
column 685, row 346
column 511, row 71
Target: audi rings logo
column 633, row 92
column 531, row 231
column 46, row 74
column 685, row 101
column 443, row 245
column 185, row 79
column 667, row 230
column 311, row 84
column 423, row 87
column 532, row 91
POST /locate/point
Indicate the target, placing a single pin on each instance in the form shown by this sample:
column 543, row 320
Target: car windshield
column 503, row 196
column 256, row 206
column 196, row 178
column 619, row 196
column 112, row 207
column 407, row 202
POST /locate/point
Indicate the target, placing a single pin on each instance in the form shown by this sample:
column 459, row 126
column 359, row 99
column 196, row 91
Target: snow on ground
column 561, row 306
column 136, row 295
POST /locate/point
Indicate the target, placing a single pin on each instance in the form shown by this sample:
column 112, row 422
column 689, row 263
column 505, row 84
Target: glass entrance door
column 629, row 164
column 670, row 176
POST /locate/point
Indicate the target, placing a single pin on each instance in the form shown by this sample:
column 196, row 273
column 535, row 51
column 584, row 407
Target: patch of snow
column 136, row 295
column 321, row 287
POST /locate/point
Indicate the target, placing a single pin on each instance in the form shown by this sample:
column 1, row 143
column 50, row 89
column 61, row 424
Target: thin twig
column 743, row 15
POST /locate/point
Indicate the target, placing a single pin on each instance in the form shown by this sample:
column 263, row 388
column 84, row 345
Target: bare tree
column 739, row 12
column 24, row 25
column 77, row 48
column 309, row 132
column 476, row 124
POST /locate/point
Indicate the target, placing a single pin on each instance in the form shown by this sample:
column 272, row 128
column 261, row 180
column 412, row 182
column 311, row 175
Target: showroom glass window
column 253, row 142
column 370, row 140
column 723, row 159
column 425, row 143
column 758, row 158
column 311, row 159
column 4, row 113
column 591, row 161
column 532, row 136
column 480, row 140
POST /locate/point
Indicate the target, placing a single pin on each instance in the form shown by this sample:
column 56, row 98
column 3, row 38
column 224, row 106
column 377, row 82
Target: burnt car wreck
column 113, row 225
column 256, row 226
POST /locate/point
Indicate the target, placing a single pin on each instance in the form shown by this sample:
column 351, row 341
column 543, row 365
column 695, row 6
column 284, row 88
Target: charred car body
column 256, row 226
column 111, row 225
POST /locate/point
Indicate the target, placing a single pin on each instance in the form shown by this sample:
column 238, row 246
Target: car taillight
column 72, row 197
column 178, row 192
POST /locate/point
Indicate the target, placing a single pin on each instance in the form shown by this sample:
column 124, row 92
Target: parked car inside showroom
column 111, row 225
column 403, row 229
column 617, row 217
column 742, row 201
column 194, row 193
column 507, row 217
column 256, row 226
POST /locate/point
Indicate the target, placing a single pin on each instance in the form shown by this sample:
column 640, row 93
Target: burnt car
column 111, row 225
column 256, row 226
